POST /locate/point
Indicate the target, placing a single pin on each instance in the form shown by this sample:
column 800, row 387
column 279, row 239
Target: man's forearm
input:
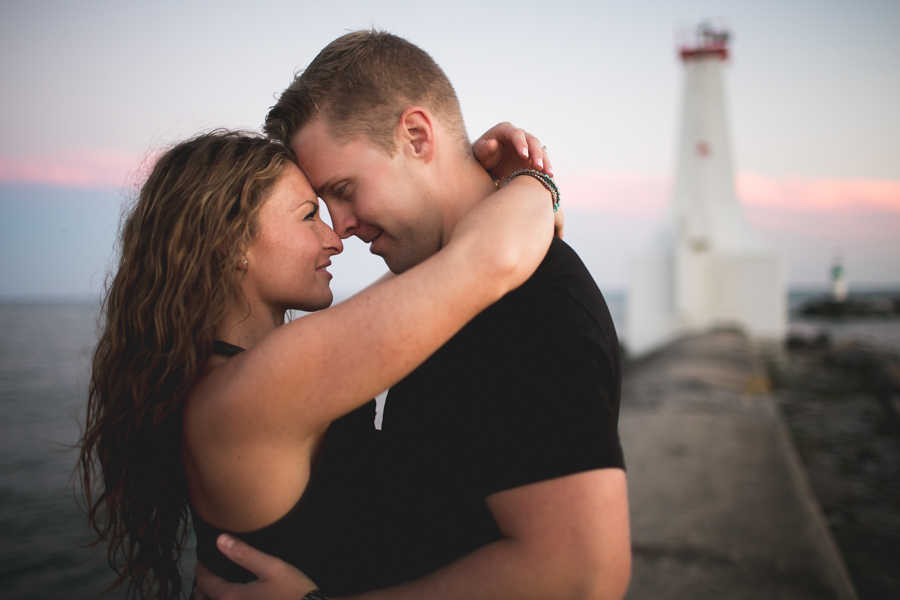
column 555, row 556
column 501, row 570
column 496, row 571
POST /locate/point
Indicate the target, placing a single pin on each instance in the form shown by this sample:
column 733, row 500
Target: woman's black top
column 326, row 517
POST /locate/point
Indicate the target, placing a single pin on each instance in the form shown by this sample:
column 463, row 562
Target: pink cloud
column 815, row 195
column 649, row 195
column 825, row 224
column 808, row 220
column 82, row 170
column 625, row 194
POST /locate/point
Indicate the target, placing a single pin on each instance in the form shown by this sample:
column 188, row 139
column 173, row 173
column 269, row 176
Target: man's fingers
column 258, row 563
column 209, row 586
column 559, row 222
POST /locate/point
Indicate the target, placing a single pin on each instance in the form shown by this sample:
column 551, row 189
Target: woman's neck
column 245, row 324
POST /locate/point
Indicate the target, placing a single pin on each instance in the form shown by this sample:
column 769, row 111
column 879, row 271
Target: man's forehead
column 325, row 157
column 312, row 137
column 317, row 152
column 320, row 134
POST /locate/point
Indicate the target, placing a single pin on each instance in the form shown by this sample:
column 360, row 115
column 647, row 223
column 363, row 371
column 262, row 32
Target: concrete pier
column 720, row 504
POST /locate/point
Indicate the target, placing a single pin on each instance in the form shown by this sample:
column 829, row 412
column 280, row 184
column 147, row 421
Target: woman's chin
column 321, row 302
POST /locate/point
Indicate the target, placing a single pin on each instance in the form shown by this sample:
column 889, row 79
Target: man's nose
column 344, row 221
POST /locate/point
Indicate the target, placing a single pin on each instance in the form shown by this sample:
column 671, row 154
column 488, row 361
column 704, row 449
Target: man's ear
column 417, row 134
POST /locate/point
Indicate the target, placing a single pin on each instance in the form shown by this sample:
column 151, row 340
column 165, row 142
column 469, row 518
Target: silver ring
column 543, row 147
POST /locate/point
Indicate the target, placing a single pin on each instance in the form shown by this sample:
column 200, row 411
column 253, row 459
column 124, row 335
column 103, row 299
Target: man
column 501, row 474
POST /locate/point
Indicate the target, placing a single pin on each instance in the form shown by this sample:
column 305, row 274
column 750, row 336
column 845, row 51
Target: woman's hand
column 276, row 580
column 504, row 149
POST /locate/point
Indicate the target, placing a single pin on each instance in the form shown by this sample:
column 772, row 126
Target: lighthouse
column 708, row 267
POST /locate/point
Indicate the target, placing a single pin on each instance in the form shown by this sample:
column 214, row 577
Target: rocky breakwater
column 842, row 403
column 856, row 305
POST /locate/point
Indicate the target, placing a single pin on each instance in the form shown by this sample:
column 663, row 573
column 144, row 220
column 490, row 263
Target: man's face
column 379, row 199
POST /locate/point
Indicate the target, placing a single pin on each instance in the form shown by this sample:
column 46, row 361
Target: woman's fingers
column 535, row 151
column 548, row 168
column 505, row 148
column 487, row 151
column 519, row 140
column 541, row 160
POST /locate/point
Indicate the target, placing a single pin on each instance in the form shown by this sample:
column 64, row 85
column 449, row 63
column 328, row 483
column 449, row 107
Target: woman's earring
column 244, row 262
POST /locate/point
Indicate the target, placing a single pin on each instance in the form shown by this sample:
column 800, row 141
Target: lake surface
column 44, row 356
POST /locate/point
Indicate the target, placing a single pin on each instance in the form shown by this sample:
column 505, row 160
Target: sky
column 91, row 90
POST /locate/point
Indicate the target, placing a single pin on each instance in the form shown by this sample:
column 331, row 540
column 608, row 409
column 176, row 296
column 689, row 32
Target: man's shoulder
column 561, row 260
column 562, row 283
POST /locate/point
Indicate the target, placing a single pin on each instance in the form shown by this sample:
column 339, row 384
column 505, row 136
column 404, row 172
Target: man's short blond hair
column 362, row 82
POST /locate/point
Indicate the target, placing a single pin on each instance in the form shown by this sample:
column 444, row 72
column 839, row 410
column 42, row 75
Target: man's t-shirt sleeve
column 551, row 406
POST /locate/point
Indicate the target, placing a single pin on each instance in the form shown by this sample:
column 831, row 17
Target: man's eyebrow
column 320, row 191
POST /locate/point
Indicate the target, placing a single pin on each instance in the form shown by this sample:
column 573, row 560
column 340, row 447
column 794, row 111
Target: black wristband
column 314, row 595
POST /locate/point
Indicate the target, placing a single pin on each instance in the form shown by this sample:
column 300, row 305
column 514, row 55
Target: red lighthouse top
column 709, row 42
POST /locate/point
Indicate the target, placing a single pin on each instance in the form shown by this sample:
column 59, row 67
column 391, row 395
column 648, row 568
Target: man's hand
column 505, row 148
column 276, row 580
column 559, row 222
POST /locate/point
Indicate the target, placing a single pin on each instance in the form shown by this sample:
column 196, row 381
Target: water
column 878, row 331
column 44, row 356
column 883, row 332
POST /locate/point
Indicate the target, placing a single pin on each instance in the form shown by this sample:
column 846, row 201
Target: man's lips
column 374, row 241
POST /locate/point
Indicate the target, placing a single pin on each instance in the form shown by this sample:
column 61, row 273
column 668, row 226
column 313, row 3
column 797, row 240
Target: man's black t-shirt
column 528, row 391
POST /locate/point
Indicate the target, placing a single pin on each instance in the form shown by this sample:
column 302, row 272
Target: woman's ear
column 417, row 133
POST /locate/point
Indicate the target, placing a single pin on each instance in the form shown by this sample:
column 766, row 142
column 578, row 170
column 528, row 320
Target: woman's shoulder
column 242, row 472
column 215, row 395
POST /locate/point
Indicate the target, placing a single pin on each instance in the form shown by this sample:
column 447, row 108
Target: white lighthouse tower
column 709, row 268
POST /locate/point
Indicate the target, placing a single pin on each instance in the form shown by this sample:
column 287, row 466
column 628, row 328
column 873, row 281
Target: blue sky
column 91, row 88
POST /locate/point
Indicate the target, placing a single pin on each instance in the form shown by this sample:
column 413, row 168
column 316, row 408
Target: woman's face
column 287, row 260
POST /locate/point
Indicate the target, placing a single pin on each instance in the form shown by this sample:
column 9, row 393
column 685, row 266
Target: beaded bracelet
column 547, row 180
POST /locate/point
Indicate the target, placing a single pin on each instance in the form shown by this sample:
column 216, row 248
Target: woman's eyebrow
column 305, row 202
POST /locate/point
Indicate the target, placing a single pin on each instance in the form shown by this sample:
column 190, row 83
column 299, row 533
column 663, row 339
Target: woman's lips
column 324, row 269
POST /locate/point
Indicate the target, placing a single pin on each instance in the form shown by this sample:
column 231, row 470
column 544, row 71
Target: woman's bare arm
column 321, row 366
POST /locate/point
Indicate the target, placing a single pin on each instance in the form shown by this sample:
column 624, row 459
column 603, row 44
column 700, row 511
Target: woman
column 225, row 237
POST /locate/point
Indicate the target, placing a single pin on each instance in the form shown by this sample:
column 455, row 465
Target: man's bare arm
column 563, row 538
